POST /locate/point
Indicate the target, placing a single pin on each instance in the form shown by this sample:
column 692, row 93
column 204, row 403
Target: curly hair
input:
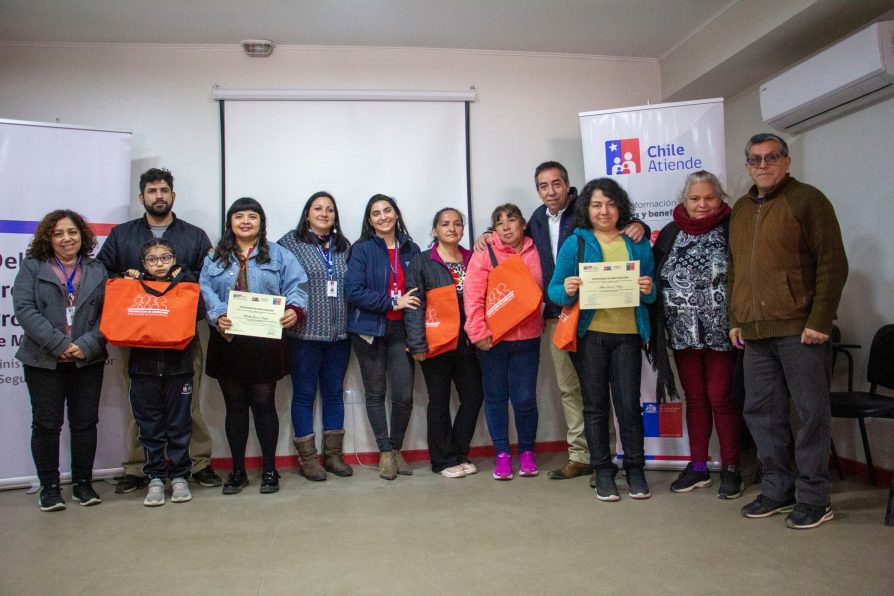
column 610, row 189
column 226, row 247
column 156, row 175
column 41, row 246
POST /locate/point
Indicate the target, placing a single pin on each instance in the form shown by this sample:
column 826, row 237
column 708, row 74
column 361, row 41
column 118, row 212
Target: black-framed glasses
column 770, row 159
column 152, row 260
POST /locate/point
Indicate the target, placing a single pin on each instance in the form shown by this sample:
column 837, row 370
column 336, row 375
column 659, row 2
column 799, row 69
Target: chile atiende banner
column 650, row 150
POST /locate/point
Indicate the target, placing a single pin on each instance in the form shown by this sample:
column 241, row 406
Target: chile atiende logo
column 622, row 157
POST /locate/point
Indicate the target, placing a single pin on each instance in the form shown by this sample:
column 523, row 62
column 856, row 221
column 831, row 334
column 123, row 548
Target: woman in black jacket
column 444, row 264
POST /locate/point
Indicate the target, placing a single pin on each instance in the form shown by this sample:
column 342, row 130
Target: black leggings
column 260, row 397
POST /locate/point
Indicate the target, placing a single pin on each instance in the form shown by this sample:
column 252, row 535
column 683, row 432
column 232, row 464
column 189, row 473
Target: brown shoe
column 310, row 461
column 387, row 467
column 571, row 469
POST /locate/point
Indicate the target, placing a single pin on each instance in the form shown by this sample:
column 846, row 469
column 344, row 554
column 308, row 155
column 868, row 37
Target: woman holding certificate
column 692, row 259
column 610, row 338
column 246, row 366
column 377, row 298
column 439, row 274
column 318, row 346
column 509, row 362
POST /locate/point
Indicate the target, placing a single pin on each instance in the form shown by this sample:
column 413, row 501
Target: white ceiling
column 629, row 28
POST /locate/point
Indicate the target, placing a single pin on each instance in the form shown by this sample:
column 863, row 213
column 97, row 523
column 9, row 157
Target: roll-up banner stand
column 650, row 150
column 45, row 166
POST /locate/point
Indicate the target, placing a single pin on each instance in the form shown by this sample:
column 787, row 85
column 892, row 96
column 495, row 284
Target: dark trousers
column 161, row 409
column 313, row 364
column 50, row 391
column 608, row 365
column 448, row 443
column 706, row 377
column 777, row 369
column 260, row 399
column 509, row 373
column 386, row 362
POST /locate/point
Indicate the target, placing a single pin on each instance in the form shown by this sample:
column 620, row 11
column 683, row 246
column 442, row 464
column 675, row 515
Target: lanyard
column 69, row 283
column 327, row 258
column 395, row 265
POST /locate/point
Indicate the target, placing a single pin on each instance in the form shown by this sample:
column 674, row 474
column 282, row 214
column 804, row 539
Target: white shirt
column 554, row 227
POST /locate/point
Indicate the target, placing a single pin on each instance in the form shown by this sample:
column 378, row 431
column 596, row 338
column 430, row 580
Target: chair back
column 881, row 358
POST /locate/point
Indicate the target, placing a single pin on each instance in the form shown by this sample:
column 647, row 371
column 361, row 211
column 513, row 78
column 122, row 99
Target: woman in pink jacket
column 509, row 368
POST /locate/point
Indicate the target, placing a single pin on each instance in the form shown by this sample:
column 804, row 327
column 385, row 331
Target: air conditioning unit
column 853, row 73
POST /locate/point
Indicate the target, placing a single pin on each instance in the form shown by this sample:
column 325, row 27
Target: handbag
column 565, row 334
column 149, row 314
column 441, row 320
column 512, row 295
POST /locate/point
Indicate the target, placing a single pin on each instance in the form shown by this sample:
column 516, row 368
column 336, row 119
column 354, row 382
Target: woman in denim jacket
column 57, row 298
column 248, row 368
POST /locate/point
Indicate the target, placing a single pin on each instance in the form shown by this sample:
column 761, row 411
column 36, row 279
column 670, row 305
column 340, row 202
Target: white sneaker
column 469, row 468
column 453, row 472
column 155, row 495
column 180, row 491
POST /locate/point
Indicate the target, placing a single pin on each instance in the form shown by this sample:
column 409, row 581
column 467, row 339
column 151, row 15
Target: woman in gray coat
column 57, row 297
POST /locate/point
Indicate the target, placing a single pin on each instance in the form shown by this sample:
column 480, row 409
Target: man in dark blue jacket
column 122, row 251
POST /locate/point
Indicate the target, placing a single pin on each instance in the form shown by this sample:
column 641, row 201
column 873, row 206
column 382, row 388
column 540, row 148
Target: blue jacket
column 366, row 283
column 538, row 227
column 566, row 266
column 282, row 275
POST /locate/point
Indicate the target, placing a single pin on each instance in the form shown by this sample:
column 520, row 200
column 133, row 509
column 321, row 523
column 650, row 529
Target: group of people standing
column 718, row 280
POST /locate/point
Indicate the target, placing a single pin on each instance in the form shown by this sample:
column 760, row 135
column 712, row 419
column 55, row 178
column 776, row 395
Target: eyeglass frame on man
column 771, row 159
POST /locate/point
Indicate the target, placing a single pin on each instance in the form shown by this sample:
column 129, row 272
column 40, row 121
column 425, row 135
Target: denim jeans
column 318, row 364
column 776, row 370
column 509, row 373
column 50, row 391
column 161, row 409
column 608, row 365
column 386, row 362
column 448, row 443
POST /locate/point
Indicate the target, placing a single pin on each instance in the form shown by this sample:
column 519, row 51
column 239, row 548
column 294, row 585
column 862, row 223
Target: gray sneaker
column 155, row 495
column 180, row 491
column 606, row 488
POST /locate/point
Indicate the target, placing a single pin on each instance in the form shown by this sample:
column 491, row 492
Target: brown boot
column 402, row 466
column 310, row 461
column 333, row 457
column 387, row 469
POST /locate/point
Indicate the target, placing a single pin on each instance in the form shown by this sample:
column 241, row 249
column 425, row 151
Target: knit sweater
column 787, row 262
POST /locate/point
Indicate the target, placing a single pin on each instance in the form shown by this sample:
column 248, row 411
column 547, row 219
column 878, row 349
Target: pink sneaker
column 503, row 467
column 526, row 464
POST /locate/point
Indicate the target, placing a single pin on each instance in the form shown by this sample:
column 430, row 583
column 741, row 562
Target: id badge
column 395, row 294
column 332, row 288
column 69, row 315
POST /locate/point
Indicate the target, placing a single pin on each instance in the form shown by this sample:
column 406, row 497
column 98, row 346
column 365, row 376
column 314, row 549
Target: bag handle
column 580, row 253
column 493, row 257
column 157, row 293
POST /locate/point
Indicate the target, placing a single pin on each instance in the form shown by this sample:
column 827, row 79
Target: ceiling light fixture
column 257, row 48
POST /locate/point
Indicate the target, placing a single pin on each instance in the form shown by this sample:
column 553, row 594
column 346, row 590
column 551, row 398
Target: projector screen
column 281, row 152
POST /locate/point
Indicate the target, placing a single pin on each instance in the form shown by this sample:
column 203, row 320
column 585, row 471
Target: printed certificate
column 609, row 285
column 257, row 315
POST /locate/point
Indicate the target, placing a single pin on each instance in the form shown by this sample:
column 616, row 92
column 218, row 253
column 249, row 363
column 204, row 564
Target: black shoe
column 206, row 477
column 730, row 485
column 764, row 506
column 51, row 498
column 637, row 486
column 83, row 493
column 236, row 481
column 269, row 482
column 806, row 516
column 689, row 480
column 129, row 483
column 606, row 488
column 593, row 479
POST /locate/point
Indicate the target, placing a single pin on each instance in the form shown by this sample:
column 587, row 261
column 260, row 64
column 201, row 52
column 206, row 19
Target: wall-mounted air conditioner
column 854, row 72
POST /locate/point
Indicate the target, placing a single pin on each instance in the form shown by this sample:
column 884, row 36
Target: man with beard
column 121, row 251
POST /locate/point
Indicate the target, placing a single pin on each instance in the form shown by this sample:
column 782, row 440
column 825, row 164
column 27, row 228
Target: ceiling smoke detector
column 257, row 48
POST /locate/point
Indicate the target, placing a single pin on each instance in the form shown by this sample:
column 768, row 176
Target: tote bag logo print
column 431, row 318
column 499, row 297
column 146, row 305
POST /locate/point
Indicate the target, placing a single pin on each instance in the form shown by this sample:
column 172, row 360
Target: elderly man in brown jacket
column 787, row 271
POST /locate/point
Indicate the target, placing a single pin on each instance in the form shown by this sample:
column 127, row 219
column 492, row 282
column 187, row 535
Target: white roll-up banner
column 45, row 167
column 650, row 150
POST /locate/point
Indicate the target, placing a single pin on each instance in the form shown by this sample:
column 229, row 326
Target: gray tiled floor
column 428, row 535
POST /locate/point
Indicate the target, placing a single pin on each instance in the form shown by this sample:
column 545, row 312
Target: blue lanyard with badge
column 331, row 284
column 69, row 289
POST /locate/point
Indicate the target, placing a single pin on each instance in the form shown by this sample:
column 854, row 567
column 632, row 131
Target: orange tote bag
column 565, row 334
column 149, row 314
column 512, row 296
column 441, row 320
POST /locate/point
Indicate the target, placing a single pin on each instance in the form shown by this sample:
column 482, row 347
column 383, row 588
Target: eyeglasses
column 152, row 260
column 770, row 159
